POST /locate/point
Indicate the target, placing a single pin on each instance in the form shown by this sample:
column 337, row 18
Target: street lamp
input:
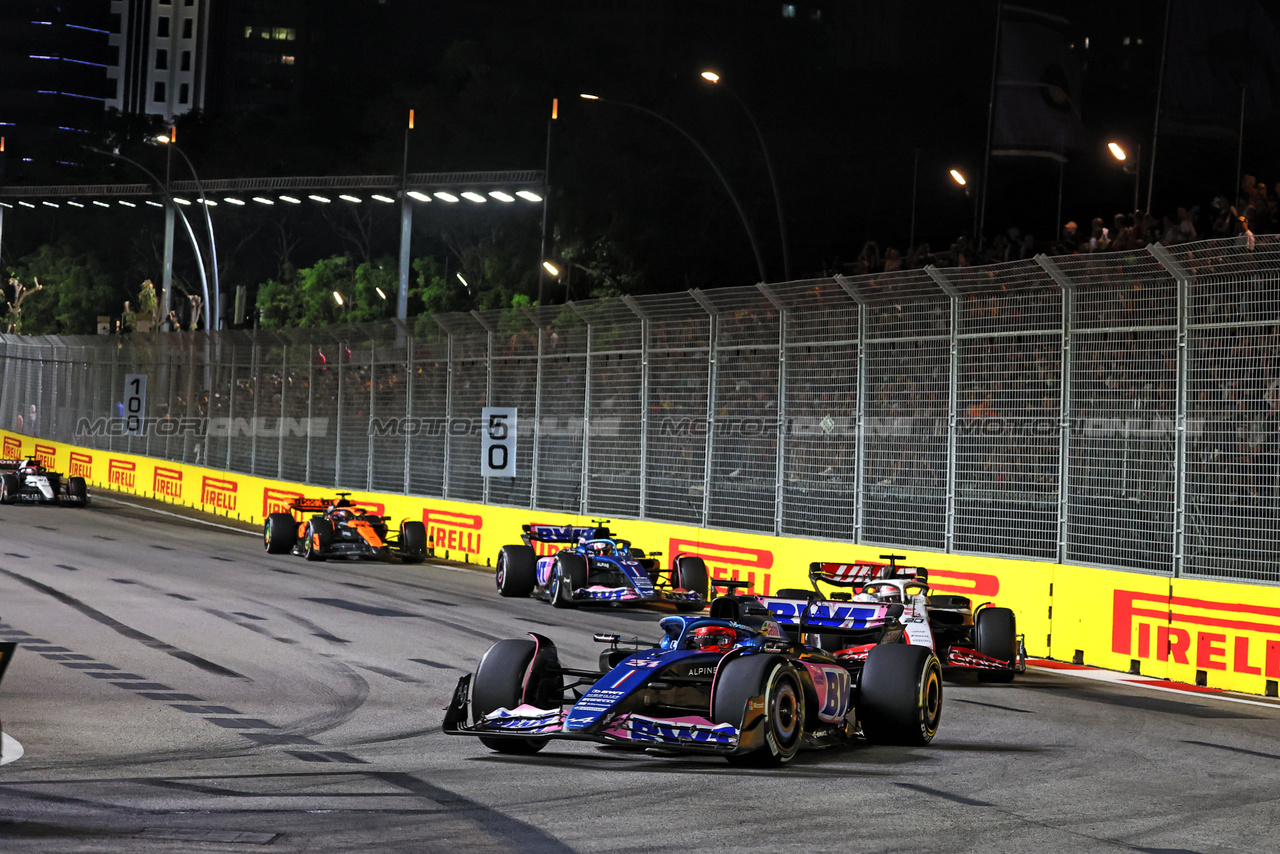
column 714, row 78
column 208, row 221
column 1120, row 154
column 191, row 234
column 959, row 178
column 746, row 223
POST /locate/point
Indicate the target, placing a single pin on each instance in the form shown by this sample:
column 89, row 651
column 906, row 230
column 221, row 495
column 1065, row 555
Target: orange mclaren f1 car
column 321, row 528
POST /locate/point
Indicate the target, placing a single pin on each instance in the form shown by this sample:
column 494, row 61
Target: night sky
column 857, row 107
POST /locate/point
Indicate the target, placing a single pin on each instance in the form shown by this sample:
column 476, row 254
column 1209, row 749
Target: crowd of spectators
column 1256, row 210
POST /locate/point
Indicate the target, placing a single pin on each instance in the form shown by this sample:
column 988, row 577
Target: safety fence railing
column 1119, row 409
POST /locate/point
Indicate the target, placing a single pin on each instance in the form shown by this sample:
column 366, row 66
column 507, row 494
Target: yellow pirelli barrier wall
column 1216, row 634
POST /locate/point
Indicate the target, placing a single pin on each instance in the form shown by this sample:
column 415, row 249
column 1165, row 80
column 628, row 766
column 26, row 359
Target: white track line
column 175, row 515
column 10, row 749
column 1153, row 684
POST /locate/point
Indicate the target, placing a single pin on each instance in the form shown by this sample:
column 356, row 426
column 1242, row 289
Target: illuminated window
column 286, row 60
column 788, row 10
column 283, row 34
column 248, row 32
column 162, row 27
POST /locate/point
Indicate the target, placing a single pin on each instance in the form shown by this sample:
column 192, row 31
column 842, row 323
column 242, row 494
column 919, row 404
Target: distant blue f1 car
column 595, row 567
column 730, row 683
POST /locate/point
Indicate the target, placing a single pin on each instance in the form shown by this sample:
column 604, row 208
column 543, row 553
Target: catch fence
column 1119, row 409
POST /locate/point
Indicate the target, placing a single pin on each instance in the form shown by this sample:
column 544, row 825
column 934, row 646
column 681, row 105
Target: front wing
column 630, row 595
column 686, row 733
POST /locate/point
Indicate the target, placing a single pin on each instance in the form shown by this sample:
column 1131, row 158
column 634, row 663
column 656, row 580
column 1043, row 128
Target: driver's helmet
column 714, row 638
column 600, row 548
column 879, row 593
column 338, row 511
column 28, row 467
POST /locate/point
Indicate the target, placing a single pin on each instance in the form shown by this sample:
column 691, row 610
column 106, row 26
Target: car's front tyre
column 500, row 684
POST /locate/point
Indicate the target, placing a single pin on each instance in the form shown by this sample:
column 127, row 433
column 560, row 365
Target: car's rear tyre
column 279, row 533
column 319, row 535
column 770, row 677
column 691, row 574
column 569, row 573
column 413, row 542
column 9, row 488
column 995, row 633
column 517, row 571
column 78, row 490
column 900, row 701
column 500, row 684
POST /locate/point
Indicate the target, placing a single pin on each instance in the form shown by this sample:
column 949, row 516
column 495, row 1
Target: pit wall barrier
column 1215, row 634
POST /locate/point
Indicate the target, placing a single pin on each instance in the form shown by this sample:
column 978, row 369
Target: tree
column 78, row 290
column 13, row 316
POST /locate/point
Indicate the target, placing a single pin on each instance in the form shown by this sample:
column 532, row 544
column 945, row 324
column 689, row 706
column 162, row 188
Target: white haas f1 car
column 595, row 567
column 26, row 481
column 981, row 640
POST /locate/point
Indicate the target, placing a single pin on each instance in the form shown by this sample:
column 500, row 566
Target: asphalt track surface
column 178, row 690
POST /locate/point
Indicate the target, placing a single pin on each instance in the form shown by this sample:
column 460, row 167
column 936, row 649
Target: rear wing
column 559, row 533
column 858, row 574
column 319, row 505
column 830, row 616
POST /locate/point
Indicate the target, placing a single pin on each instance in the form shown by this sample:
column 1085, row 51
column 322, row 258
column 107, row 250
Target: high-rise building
column 53, row 81
column 161, row 50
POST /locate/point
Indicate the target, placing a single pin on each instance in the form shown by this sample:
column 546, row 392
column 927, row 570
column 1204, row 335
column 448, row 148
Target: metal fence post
column 408, row 402
column 373, row 401
column 537, row 411
column 953, row 394
column 639, row 312
column 284, row 378
column 448, row 408
column 1183, row 280
column 712, row 342
column 860, row 406
column 341, row 399
column 1067, row 289
column 257, row 399
column 781, row 426
column 585, row 474
column 488, row 382
column 311, row 401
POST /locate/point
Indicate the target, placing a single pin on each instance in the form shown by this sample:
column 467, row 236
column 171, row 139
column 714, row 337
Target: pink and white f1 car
column 982, row 640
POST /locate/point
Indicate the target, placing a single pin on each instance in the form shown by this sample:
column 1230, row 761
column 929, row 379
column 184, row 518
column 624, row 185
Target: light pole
column 191, row 234
column 959, row 178
column 546, row 194
column 713, row 77
column 1120, row 154
column 216, row 309
column 746, row 223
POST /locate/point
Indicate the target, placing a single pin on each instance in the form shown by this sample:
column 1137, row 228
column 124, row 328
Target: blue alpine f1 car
column 730, row 683
column 596, row 567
